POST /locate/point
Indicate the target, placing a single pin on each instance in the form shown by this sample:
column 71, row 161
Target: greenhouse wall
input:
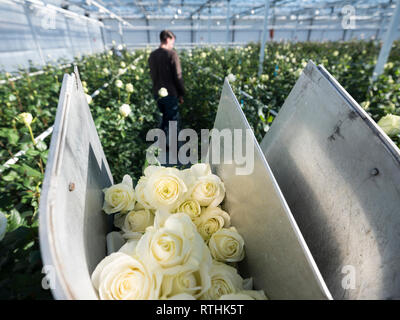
column 39, row 35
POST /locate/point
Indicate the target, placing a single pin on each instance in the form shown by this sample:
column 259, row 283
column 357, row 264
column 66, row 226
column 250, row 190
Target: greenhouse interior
column 114, row 118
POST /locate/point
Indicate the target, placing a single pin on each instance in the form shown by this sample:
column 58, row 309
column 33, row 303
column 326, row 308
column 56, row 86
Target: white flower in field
column 335, row 53
column 389, row 65
column 125, row 110
column 122, row 277
column 120, row 47
column 3, row 225
column 88, row 99
column 390, row 124
column 227, row 245
column 122, row 64
column 224, row 280
column 264, row 77
column 121, row 71
column 119, row 197
column 231, row 77
column 119, row 84
column 138, row 220
column 165, row 187
column 163, row 92
column 211, row 220
column 177, row 243
column 129, row 87
column 191, row 207
column 106, row 71
column 204, row 55
column 25, row 118
column 132, row 67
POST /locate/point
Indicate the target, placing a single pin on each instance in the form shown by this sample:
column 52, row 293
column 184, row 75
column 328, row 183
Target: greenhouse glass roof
column 235, row 9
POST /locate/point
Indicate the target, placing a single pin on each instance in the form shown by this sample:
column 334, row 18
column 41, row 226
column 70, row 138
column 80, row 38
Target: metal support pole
column 191, row 31
column 89, row 37
column 103, row 38
column 228, row 12
column 121, row 32
column 233, row 31
column 209, row 24
column 148, row 31
column 387, row 43
column 310, row 30
column 263, row 38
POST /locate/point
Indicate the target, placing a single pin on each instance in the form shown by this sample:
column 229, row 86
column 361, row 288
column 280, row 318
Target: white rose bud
column 224, row 280
column 122, row 277
column 231, row 77
column 3, row 225
column 119, row 84
column 25, row 118
column 88, row 99
column 227, row 245
column 138, row 220
column 119, row 197
column 211, row 220
column 125, row 110
column 191, row 207
column 390, row 124
column 163, row 92
column 129, row 87
column 122, row 64
column 106, row 71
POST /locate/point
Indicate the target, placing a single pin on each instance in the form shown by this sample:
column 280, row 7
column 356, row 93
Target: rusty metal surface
column 340, row 175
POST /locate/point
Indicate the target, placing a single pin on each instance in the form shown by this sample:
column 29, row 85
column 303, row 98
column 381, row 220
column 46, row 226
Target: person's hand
column 181, row 100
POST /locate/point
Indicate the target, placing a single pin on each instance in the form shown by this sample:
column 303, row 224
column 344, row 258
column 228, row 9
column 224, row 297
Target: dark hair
column 165, row 34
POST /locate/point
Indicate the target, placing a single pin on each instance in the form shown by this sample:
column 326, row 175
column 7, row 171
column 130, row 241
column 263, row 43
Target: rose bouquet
column 175, row 240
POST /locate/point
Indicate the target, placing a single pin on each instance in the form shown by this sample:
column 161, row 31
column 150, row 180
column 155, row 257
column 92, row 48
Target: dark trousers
column 168, row 106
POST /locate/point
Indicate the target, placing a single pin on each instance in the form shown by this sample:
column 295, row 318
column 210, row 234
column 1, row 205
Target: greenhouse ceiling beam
column 199, row 9
column 263, row 38
column 387, row 42
column 143, row 10
column 112, row 14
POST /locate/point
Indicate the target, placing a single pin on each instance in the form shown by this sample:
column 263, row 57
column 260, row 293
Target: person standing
column 166, row 73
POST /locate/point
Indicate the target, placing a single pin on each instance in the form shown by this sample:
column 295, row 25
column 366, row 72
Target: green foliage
column 123, row 139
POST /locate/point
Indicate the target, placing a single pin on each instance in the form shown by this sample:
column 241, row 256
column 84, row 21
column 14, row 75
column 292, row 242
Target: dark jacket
column 166, row 72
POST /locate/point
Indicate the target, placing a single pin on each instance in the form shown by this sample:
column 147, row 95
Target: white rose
column 177, row 243
column 119, row 197
column 25, row 118
column 125, row 110
column 129, row 87
column 3, row 225
column 88, row 99
column 208, row 190
column 211, row 220
column 119, row 84
column 120, row 48
column 123, row 277
column 132, row 67
column 122, row 64
column 165, row 187
column 390, row 124
column 139, row 192
column 191, row 207
column 224, row 280
column 121, row 71
column 163, row 92
column 227, row 245
column 231, row 77
column 138, row 220
column 106, row 71
column 188, row 278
